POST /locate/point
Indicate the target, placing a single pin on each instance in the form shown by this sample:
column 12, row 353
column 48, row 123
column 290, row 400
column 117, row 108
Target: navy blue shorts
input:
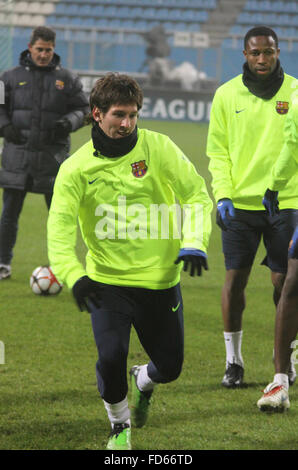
column 157, row 317
column 241, row 240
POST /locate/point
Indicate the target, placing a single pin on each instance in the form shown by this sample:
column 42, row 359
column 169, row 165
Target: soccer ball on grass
column 44, row 282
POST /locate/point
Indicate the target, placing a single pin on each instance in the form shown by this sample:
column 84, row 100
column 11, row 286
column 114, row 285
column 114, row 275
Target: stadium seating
column 107, row 34
column 133, row 14
column 272, row 6
column 281, row 15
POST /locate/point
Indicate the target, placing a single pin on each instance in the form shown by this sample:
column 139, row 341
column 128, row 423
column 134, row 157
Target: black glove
column 86, row 289
column 62, row 129
column 12, row 134
column 197, row 260
column 270, row 202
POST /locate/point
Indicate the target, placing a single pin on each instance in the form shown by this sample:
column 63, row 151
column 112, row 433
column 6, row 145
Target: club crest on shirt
column 59, row 84
column 139, row 169
column 282, row 107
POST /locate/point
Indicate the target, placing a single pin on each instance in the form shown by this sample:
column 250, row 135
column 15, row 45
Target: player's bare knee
column 278, row 280
column 235, row 283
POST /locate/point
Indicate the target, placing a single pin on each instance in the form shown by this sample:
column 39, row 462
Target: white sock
column 118, row 412
column 233, row 342
column 282, row 379
column 144, row 383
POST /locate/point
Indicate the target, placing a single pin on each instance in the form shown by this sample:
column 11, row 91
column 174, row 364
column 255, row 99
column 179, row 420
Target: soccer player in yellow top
column 276, row 394
column 245, row 138
column 123, row 185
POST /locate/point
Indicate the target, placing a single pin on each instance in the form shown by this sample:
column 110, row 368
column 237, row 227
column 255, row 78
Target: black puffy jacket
column 35, row 98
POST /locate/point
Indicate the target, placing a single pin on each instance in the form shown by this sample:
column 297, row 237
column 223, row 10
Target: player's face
column 41, row 52
column 261, row 54
column 119, row 121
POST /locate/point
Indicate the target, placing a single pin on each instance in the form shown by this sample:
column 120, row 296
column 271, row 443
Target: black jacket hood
column 26, row 61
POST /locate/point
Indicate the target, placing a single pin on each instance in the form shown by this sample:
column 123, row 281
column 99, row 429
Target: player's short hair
column 260, row 31
column 115, row 88
column 44, row 33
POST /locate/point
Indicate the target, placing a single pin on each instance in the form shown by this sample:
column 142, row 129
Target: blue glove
column 270, row 202
column 293, row 249
column 225, row 211
column 193, row 257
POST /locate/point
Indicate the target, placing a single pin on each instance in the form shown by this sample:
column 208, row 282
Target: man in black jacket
column 43, row 104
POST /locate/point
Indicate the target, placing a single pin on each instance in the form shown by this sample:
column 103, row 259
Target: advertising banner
column 176, row 105
column 167, row 105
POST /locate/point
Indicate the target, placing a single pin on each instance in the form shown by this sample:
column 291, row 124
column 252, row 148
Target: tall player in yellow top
column 244, row 140
column 123, row 186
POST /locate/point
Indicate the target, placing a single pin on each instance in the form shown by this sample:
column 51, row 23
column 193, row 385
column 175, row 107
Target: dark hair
column 260, row 31
column 114, row 88
column 44, row 33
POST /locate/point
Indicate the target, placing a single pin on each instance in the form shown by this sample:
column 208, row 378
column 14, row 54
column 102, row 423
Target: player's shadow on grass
column 243, row 386
column 194, row 388
column 60, row 420
column 57, row 434
column 8, row 400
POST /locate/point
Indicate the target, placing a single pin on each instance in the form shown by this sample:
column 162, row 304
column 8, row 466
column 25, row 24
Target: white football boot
column 275, row 398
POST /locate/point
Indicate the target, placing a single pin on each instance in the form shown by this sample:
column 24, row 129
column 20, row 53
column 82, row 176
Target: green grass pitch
column 48, row 393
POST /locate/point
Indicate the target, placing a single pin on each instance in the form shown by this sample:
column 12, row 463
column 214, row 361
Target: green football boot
column 120, row 437
column 140, row 401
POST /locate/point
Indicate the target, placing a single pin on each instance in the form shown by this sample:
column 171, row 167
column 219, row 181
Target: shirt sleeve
column 62, row 227
column 287, row 163
column 77, row 106
column 218, row 150
column 190, row 190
